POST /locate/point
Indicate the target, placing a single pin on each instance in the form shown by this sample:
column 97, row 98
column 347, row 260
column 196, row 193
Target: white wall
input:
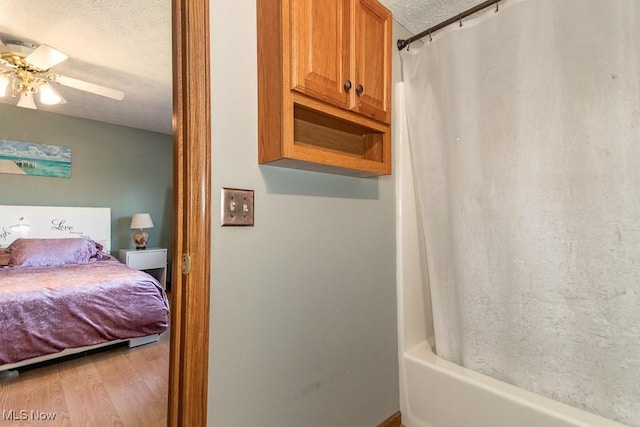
column 303, row 305
column 415, row 324
column 414, row 306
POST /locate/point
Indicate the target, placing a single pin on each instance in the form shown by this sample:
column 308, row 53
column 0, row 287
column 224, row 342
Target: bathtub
column 433, row 391
column 439, row 393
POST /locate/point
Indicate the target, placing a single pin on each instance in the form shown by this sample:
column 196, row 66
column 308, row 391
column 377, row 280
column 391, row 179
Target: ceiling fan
column 25, row 69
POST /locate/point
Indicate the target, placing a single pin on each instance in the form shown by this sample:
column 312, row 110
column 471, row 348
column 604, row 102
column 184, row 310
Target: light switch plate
column 237, row 207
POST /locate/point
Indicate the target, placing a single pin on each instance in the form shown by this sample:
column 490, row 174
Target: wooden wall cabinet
column 324, row 85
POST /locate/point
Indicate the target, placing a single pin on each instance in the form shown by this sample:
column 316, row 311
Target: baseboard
column 394, row 420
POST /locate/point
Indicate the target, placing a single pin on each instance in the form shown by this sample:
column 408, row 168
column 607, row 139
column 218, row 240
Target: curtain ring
column 430, row 39
column 497, row 6
column 460, row 19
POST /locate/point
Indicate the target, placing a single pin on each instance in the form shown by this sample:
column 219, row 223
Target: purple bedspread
column 45, row 310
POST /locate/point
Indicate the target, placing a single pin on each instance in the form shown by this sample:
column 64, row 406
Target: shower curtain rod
column 458, row 18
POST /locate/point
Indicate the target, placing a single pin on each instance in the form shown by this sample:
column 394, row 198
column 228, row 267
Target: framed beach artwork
column 29, row 158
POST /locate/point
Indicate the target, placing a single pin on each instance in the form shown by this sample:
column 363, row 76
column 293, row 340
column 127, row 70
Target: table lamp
column 138, row 222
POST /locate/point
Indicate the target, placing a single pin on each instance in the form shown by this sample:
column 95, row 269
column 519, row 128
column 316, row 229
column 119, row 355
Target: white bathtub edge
column 486, row 388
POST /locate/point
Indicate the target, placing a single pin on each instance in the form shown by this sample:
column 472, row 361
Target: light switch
column 237, row 207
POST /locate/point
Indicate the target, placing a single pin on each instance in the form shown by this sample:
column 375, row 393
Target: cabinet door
column 373, row 59
column 320, row 49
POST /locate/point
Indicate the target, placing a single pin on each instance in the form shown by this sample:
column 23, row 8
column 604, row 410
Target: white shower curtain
column 524, row 128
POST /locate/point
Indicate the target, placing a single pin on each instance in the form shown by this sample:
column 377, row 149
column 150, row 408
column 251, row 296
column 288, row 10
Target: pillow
column 100, row 255
column 53, row 252
column 4, row 257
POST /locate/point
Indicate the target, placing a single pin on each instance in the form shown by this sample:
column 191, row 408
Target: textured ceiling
column 418, row 15
column 126, row 45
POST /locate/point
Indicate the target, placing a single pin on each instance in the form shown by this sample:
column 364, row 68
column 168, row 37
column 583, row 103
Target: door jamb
column 189, row 348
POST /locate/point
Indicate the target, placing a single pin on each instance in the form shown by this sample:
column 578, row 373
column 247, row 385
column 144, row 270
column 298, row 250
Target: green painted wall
column 303, row 304
column 126, row 169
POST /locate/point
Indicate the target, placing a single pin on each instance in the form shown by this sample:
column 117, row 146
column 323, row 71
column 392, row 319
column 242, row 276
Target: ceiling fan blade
column 45, row 57
column 90, row 87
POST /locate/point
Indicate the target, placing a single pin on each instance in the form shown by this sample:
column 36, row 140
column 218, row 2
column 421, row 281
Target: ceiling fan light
column 26, row 101
column 4, row 83
column 49, row 96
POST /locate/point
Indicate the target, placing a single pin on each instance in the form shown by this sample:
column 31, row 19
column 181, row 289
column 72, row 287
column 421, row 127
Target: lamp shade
column 26, row 101
column 4, row 83
column 50, row 96
column 141, row 220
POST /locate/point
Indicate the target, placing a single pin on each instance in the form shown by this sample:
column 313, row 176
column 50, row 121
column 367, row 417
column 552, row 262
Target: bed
column 61, row 292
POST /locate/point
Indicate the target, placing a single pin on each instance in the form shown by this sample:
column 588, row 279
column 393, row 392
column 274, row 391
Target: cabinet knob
column 359, row 89
column 347, row 85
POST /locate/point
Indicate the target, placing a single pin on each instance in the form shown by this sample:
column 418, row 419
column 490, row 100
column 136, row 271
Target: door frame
column 189, row 346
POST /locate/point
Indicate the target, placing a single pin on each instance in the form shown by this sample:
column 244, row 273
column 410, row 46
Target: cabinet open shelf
column 314, row 129
column 324, row 143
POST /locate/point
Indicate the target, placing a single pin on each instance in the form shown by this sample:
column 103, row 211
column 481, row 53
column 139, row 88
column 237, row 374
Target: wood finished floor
column 119, row 387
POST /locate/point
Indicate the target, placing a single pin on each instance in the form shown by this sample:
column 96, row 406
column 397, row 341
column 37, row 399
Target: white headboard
column 47, row 222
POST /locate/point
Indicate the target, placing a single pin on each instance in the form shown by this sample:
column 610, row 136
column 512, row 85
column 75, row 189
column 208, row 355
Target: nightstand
column 151, row 260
